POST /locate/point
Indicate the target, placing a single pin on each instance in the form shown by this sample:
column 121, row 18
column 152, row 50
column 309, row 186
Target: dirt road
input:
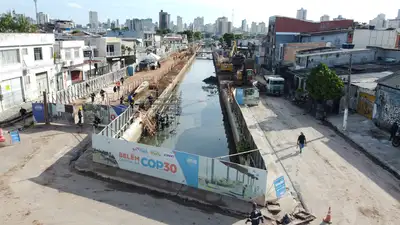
column 37, row 186
column 329, row 172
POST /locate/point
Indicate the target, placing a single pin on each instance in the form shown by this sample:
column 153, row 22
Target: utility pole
column 346, row 110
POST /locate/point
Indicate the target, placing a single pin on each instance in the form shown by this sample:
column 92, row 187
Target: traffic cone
column 2, row 138
column 328, row 217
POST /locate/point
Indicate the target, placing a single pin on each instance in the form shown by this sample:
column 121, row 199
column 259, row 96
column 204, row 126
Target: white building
column 70, row 64
column 198, row 24
column 324, row 18
column 254, row 28
column 244, row 25
column 262, row 28
column 379, row 22
column 301, row 14
column 378, row 38
column 43, row 18
column 179, row 24
column 26, row 67
column 398, row 14
column 93, row 19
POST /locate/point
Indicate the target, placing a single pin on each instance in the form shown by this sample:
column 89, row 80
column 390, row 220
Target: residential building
column 164, row 20
column 379, row 22
column 43, row 18
column 148, row 24
column 93, row 19
column 393, row 23
column 209, row 28
column 244, row 25
column 301, row 14
column 398, row 14
column 283, row 30
column 198, row 24
column 179, row 24
column 334, row 38
column 340, row 17
column 289, row 50
column 26, row 67
column 230, row 28
column 70, row 66
column 324, row 18
column 262, row 29
column 389, row 38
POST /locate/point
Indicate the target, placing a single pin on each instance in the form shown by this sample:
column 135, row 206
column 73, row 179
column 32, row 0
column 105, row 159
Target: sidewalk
column 370, row 139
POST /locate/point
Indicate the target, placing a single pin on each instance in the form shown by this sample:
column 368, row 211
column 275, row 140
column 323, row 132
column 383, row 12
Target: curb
column 372, row 157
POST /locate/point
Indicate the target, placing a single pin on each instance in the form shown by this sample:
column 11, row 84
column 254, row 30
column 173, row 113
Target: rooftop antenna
column 37, row 20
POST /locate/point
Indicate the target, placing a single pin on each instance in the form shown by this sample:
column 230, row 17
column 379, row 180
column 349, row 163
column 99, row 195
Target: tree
column 125, row 28
column 115, row 29
column 123, row 49
column 189, row 34
column 221, row 40
column 13, row 23
column 228, row 38
column 163, row 31
column 238, row 36
column 129, row 49
column 75, row 31
column 197, row 35
column 323, row 84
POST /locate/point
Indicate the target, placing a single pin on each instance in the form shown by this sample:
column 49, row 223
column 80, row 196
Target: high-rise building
column 244, row 25
column 398, row 15
column 109, row 23
column 301, row 14
column 324, row 18
column 179, row 24
column 163, row 20
column 230, row 28
column 43, row 18
column 148, row 24
column 253, row 28
column 222, row 25
column 262, row 28
column 379, row 21
column 117, row 23
column 93, row 19
column 209, row 28
column 185, row 26
column 198, row 24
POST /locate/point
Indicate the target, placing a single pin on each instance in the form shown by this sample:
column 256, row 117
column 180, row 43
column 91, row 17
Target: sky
column 251, row 10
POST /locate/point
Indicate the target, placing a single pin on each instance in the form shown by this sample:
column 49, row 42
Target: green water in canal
column 200, row 128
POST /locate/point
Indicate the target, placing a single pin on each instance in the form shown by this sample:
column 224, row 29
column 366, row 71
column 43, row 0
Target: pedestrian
column 131, row 100
column 22, row 112
column 122, row 80
column 118, row 84
column 102, row 94
column 121, row 100
column 115, row 89
column 393, row 130
column 92, row 97
column 301, row 141
column 79, row 117
column 255, row 216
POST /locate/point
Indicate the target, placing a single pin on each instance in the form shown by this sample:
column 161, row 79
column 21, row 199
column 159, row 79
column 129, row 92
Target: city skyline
column 189, row 9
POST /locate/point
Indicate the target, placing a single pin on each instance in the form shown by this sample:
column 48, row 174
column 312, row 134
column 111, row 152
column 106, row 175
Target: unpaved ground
column 330, row 172
column 38, row 187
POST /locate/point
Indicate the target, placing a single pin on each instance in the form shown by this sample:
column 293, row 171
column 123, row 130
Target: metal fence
column 82, row 90
column 119, row 125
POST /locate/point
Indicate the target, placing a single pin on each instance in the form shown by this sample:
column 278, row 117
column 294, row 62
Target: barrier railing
column 82, row 90
column 119, row 125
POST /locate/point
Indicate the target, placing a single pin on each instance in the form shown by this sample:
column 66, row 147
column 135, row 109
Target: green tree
column 75, row 31
column 323, row 84
column 123, row 49
column 228, row 38
column 238, row 36
column 221, row 40
column 189, row 34
column 129, row 49
column 197, row 35
column 163, row 31
column 125, row 28
column 115, row 29
column 13, row 23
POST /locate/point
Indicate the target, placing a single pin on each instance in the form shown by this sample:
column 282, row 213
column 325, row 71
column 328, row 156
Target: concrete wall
column 291, row 49
column 335, row 59
column 388, row 53
column 378, row 38
column 282, row 39
column 387, row 106
column 336, row 39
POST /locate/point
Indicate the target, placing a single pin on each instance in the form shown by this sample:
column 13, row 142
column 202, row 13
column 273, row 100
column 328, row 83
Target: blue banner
column 190, row 167
column 38, row 112
column 280, row 187
column 15, row 138
column 239, row 96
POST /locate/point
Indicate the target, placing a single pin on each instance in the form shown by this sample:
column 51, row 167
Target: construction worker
column 22, row 112
column 301, row 141
column 255, row 216
column 102, row 94
column 79, row 117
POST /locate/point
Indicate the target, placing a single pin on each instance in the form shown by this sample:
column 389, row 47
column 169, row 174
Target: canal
column 200, row 128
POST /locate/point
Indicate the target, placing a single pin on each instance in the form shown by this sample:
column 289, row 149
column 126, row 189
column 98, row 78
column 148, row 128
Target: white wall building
column 26, row 67
column 379, row 22
column 179, row 24
column 378, row 38
column 254, row 28
column 324, row 18
column 301, row 14
column 70, row 63
column 43, row 18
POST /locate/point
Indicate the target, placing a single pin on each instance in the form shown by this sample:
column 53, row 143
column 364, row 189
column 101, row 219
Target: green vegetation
column 229, row 37
column 323, row 84
column 14, row 23
column 163, row 31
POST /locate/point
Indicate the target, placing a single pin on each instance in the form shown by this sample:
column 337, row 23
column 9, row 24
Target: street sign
column 280, row 187
column 15, row 138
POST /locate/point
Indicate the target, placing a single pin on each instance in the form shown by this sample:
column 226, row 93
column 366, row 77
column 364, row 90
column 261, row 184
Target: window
column 38, row 54
column 24, row 51
column 9, row 57
column 110, row 48
column 86, row 54
column 68, row 54
column 76, row 53
column 51, row 53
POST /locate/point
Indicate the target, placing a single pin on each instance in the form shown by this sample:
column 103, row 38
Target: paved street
column 38, row 187
column 329, row 172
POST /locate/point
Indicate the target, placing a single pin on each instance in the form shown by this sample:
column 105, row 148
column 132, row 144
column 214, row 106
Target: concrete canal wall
column 134, row 132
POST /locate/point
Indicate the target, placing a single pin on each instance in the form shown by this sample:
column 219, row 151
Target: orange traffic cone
column 328, row 217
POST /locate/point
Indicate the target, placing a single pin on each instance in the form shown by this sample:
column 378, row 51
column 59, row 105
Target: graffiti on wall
column 388, row 106
column 365, row 105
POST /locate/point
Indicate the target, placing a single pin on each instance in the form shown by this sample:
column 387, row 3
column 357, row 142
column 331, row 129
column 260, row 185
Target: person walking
column 22, row 112
column 301, row 141
column 255, row 216
column 79, row 117
column 393, row 130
